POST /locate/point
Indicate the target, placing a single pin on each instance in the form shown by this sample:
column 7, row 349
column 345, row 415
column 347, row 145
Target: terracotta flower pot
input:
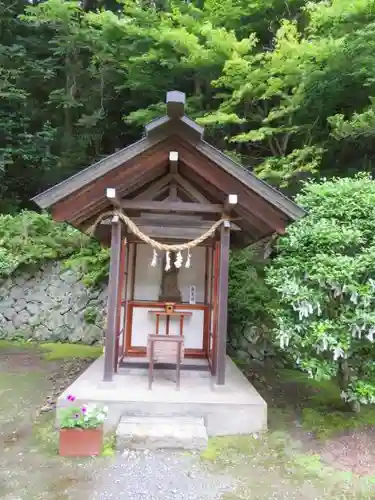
column 80, row 442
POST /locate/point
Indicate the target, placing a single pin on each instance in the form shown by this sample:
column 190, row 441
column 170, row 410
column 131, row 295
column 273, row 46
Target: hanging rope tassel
column 178, row 261
column 167, row 261
column 154, row 258
column 188, row 260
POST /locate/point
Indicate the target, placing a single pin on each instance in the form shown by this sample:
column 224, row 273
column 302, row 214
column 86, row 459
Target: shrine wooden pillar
column 222, row 315
column 113, row 298
column 121, row 302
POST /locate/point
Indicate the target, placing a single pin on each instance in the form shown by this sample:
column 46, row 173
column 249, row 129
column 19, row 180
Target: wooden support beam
column 223, row 303
column 135, row 183
column 173, row 162
column 155, row 188
column 173, row 192
column 230, row 203
column 111, row 195
column 168, row 221
column 113, row 297
column 190, row 189
column 121, row 297
column 182, row 233
column 173, row 168
column 167, row 206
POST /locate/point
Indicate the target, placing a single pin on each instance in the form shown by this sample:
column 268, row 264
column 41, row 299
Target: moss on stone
column 45, row 436
column 323, row 412
column 327, row 424
column 219, row 447
column 109, row 445
column 91, row 315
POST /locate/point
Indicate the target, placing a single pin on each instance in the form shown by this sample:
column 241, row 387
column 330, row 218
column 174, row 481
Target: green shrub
column 324, row 275
column 249, row 304
column 30, row 239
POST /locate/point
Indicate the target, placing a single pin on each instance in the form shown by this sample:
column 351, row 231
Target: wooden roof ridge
column 175, row 122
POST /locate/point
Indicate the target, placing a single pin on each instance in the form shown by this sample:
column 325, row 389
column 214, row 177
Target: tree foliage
column 287, row 87
column 325, row 277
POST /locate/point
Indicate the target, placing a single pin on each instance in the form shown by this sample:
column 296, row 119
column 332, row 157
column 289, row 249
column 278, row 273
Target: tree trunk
column 344, row 381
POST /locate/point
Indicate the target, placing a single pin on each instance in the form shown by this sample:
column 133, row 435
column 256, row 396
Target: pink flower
column 71, row 398
column 84, row 409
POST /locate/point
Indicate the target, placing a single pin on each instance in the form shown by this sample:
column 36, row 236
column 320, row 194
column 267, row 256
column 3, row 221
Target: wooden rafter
column 189, row 189
column 248, row 222
column 100, row 205
column 212, row 174
column 155, row 189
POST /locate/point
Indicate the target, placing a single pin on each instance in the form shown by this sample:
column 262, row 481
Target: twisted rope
column 150, row 241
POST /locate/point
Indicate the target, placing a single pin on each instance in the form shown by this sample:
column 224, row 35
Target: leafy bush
column 249, row 303
column 31, row 238
column 324, row 275
column 93, row 261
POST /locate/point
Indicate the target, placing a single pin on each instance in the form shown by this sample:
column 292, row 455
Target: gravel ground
column 164, row 475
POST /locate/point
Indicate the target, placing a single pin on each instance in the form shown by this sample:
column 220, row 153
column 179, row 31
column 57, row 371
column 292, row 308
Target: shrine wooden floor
column 235, row 408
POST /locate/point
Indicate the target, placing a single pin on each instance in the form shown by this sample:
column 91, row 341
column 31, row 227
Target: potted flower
column 81, row 429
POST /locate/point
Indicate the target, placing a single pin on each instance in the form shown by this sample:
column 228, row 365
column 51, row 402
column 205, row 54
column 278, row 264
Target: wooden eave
column 208, row 174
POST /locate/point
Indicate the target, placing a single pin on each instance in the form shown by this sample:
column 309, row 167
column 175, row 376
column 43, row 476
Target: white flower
column 356, row 331
column 370, row 334
column 338, row 353
column 284, row 340
column 318, row 309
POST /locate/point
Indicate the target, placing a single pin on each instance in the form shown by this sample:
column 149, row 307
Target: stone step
column 152, row 433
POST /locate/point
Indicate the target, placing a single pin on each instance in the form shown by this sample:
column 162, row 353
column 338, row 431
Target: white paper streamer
column 154, row 258
column 178, row 261
column 167, row 261
column 188, row 260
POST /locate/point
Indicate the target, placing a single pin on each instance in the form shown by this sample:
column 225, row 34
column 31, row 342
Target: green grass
column 20, row 344
column 45, row 435
column 109, row 445
column 273, row 464
column 325, row 425
column 52, row 351
column 56, row 351
column 321, row 393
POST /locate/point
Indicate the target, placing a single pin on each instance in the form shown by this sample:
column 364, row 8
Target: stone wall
column 51, row 304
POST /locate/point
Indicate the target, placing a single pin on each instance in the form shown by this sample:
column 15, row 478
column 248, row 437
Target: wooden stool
column 165, row 349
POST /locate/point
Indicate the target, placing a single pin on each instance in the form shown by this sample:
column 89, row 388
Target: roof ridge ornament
column 175, row 101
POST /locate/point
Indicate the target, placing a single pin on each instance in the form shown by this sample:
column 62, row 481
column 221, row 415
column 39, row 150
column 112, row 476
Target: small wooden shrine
column 169, row 206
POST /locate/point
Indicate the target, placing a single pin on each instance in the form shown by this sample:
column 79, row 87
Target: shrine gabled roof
column 181, row 132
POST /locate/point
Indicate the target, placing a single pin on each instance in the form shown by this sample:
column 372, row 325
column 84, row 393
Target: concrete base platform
column 156, row 433
column 235, row 408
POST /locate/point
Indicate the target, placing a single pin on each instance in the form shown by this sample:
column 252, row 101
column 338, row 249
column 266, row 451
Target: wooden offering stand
column 166, row 348
column 168, row 313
